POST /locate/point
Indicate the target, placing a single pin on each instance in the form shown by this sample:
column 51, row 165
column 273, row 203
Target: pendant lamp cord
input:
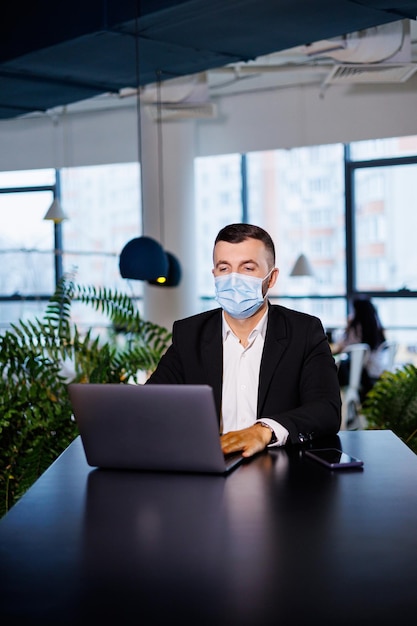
column 159, row 134
column 138, row 112
column 160, row 159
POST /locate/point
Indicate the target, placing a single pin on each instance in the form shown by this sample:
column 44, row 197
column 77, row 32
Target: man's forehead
column 247, row 249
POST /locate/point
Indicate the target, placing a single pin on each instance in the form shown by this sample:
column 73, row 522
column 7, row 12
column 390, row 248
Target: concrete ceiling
column 100, row 51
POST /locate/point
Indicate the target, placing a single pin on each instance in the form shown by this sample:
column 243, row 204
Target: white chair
column 383, row 358
column 358, row 354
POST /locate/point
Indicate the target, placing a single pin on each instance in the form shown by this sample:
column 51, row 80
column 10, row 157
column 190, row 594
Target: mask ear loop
column 267, row 277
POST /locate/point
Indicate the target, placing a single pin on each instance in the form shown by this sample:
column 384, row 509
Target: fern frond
column 392, row 404
column 35, row 411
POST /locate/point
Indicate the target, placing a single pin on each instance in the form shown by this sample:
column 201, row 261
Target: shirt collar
column 260, row 327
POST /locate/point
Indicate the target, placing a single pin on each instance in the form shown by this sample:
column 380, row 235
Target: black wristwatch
column 273, row 435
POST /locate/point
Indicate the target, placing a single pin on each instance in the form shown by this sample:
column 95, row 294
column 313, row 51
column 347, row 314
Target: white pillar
column 175, row 229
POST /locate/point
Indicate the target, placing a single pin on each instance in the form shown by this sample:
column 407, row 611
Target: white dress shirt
column 241, row 380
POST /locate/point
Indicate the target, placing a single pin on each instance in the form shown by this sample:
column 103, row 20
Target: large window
column 348, row 209
column 26, row 243
column 302, row 206
column 298, row 197
column 26, row 240
column 218, row 202
column 103, row 207
column 102, row 204
column 385, row 227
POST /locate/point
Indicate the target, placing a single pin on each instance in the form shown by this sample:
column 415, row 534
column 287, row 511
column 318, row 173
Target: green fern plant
column 392, row 404
column 36, row 422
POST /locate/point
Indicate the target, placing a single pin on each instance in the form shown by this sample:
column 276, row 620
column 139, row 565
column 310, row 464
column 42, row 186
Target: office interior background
column 329, row 171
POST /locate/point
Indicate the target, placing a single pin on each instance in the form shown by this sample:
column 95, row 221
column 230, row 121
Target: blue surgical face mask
column 240, row 295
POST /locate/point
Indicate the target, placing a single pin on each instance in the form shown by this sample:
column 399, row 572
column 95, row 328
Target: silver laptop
column 150, row 427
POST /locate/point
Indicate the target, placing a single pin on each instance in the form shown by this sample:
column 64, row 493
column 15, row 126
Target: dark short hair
column 236, row 233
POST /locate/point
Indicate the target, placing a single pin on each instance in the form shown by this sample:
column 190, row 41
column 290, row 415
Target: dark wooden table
column 281, row 540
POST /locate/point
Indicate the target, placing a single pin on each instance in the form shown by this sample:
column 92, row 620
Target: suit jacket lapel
column 212, row 356
column 276, row 342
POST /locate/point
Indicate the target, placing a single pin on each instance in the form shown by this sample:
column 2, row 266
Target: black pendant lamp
column 143, row 258
column 173, row 276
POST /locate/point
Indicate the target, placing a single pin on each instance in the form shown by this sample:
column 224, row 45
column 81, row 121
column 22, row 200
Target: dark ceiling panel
column 41, row 24
column 250, row 28
column 25, row 96
column 107, row 60
column 398, row 9
column 48, row 61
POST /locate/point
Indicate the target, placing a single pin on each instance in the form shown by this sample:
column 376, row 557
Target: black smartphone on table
column 333, row 458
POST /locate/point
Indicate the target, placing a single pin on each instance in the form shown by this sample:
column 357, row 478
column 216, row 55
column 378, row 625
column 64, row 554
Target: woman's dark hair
column 236, row 233
column 366, row 316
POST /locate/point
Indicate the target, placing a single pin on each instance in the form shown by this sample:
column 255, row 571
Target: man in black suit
column 273, row 375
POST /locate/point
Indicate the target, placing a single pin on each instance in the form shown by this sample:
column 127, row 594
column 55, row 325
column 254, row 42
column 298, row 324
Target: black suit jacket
column 298, row 384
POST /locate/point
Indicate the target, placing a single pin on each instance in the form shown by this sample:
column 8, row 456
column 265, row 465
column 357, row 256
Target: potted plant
column 392, row 404
column 40, row 357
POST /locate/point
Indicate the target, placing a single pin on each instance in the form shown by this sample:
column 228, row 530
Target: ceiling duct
column 385, row 43
column 176, row 111
column 181, row 98
column 345, row 74
column 375, row 55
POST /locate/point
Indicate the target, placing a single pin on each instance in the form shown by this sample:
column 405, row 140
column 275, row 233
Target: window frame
column 55, row 190
column 351, row 166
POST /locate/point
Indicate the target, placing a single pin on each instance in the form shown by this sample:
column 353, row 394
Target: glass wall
column 348, row 209
column 385, row 227
column 218, row 200
column 302, row 206
column 103, row 208
column 382, row 178
column 298, row 197
column 102, row 204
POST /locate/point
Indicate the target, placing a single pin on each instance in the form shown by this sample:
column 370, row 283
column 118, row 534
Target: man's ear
column 273, row 278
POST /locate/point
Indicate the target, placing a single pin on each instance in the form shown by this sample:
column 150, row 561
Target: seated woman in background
column 363, row 326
